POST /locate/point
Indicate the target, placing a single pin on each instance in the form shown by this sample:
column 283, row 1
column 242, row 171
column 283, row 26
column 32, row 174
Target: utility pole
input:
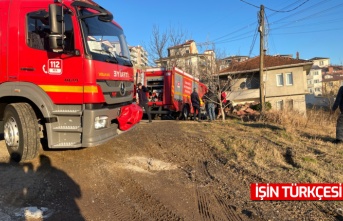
column 261, row 30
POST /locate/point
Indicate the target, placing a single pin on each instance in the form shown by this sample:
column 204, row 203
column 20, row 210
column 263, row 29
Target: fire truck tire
column 21, row 131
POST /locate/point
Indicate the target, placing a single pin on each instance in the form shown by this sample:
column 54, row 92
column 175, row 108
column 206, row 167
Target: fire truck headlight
column 100, row 122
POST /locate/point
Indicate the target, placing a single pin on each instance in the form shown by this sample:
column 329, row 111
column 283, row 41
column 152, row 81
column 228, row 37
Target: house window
column 289, row 104
column 309, row 82
column 279, row 79
column 316, row 81
column 330, row 84
column 289, row 78
column 321, row 62
column 279, row 105
column 317, row 89
column 316, row 73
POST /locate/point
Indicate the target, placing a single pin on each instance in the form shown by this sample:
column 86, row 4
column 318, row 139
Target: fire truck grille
column 116, row 92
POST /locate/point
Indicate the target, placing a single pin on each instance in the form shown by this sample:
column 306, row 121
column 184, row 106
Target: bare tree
column 158, row 43
column 209, row 69
column 177, row 36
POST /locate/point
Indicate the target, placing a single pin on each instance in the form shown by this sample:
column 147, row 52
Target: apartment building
column 315, row 77
column 226, row 62
column 187, row 58
column 139, row 56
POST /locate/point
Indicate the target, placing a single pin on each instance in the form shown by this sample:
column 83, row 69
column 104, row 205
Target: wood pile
column 246, row 111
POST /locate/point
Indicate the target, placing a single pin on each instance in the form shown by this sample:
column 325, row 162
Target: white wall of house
column 317, row 82
column 285, row 82
column 314, row 82
column 294, row 102
column 321, row 62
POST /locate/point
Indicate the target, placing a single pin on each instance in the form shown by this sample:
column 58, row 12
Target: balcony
column 133, row 54
column 309, row 77
column 144, row 59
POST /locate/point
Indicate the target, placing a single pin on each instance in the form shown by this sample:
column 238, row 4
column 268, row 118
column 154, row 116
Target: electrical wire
column 309, row 32
column 309, row 13
column 311, row 16
column 293, row 9
column 253, row 41
column 216, row 40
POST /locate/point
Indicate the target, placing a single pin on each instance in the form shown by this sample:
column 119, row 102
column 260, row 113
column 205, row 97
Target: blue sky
column 314, row 28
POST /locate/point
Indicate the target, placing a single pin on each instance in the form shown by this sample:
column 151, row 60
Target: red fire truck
column 170, row 91
column 66, row 79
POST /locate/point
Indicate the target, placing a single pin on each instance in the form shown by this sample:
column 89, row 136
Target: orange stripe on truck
column 69, row 89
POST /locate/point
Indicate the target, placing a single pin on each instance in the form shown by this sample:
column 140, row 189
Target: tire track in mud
column 229, row 210
column 130, row 200
column 211, row 207
column 143, row 205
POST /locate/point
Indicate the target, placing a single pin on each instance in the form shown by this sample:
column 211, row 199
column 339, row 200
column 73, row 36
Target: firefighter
column 196, row 103
column 143, row 100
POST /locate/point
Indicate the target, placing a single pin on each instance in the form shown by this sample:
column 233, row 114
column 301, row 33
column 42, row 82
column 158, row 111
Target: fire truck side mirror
column 56, row 27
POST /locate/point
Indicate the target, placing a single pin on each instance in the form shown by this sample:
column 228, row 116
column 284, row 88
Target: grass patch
column 284, row 147
column 309, row 159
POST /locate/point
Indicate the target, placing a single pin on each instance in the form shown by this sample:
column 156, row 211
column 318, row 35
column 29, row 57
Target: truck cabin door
column 40, row 65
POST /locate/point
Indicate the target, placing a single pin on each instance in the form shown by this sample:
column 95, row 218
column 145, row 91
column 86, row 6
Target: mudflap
column 129, row 116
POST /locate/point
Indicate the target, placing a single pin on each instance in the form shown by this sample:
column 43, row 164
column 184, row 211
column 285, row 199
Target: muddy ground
column 167, row 170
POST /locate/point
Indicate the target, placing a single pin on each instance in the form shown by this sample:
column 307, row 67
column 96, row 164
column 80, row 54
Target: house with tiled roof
column 332, row 80
column 284, row 81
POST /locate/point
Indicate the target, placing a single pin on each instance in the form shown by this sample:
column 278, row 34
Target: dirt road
column 167, row 170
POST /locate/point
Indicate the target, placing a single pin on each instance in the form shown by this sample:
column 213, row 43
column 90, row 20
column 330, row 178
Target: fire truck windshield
column 105, row 41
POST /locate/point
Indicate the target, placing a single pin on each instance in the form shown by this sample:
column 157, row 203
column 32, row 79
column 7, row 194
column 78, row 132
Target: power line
column 311, row 16
column 319, row 4
column 266, row 32
column 216, row 40
column 308, row 24
column 248, row 3
column 308, row 32
column 248, row 31
column 253, row 41
column 274, row 9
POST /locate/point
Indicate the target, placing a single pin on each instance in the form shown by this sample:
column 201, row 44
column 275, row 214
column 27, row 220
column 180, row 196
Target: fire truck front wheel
column 21, row 131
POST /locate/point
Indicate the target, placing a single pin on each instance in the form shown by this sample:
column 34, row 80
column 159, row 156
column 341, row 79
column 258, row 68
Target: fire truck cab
column 66, row 79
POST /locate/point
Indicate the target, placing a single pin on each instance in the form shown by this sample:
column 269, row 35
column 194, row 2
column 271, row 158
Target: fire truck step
column 67, row 145
column 76, row 129
column 67, row 112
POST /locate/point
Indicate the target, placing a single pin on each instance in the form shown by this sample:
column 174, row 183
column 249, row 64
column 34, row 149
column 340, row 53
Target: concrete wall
column 298, row 102
column 299, row 85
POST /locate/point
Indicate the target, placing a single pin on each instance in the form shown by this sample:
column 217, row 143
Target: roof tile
column 269, row 61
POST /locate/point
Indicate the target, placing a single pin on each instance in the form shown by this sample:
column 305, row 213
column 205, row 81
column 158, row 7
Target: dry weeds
column 284, row 147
